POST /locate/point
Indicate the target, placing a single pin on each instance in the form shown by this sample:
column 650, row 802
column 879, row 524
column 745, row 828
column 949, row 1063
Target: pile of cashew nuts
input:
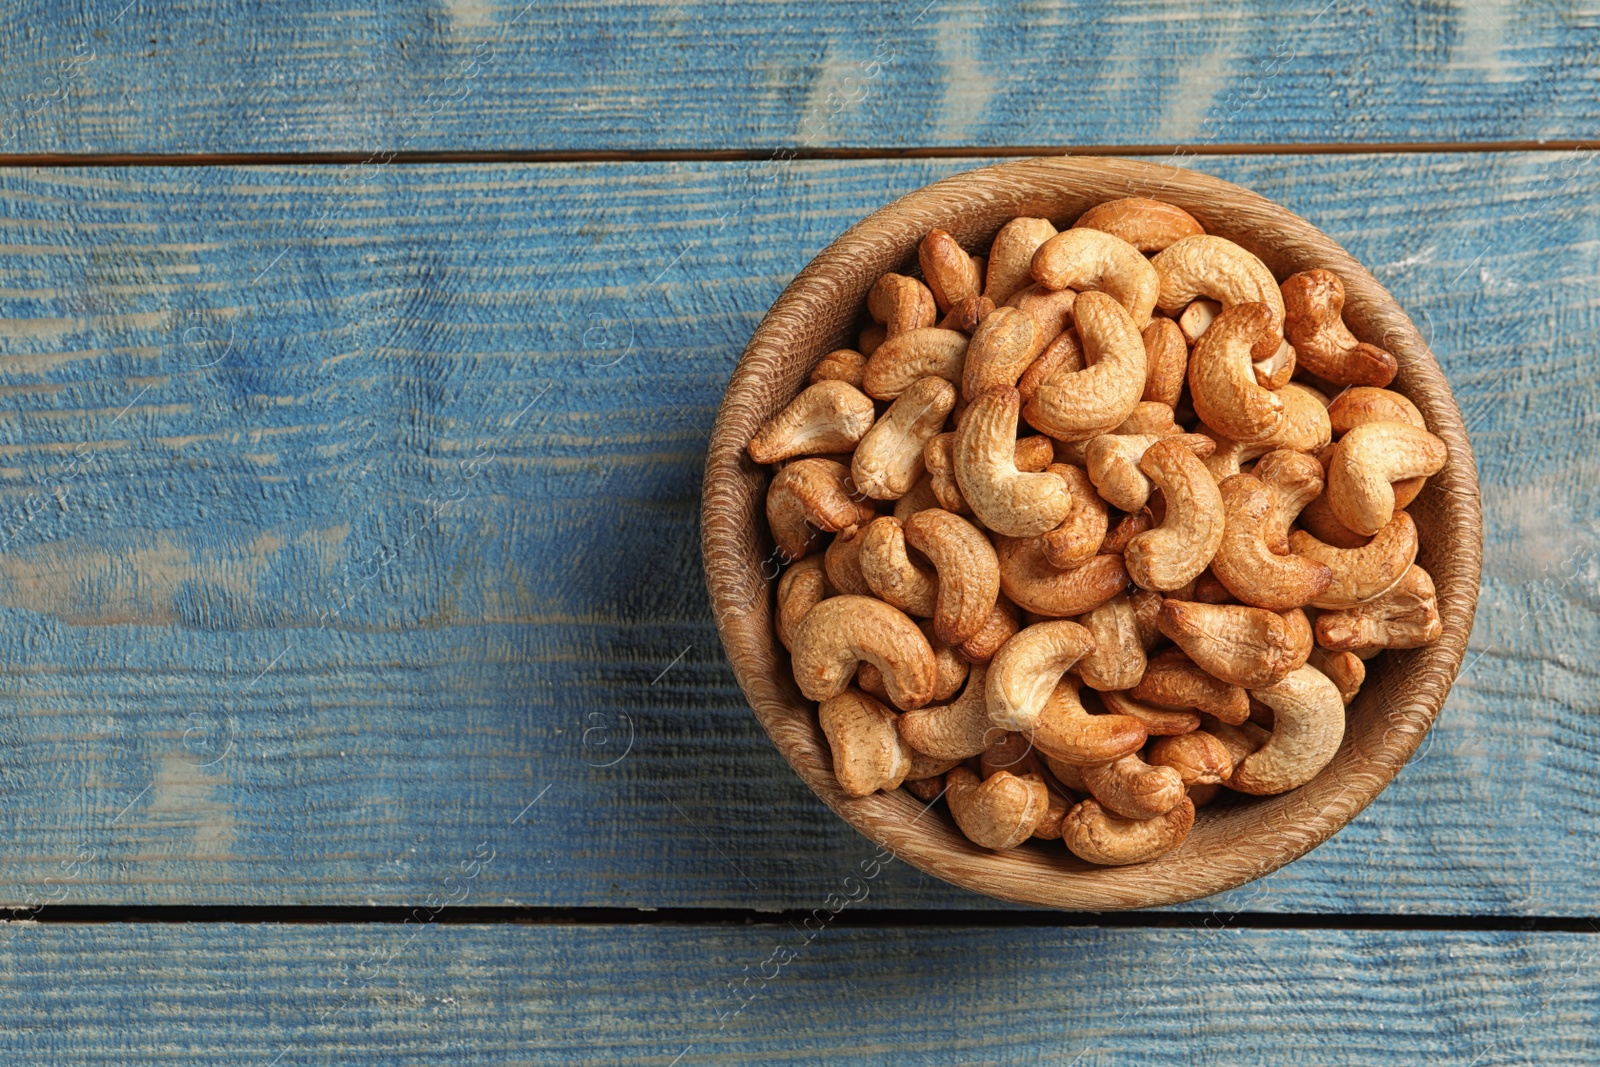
column 1166, row 586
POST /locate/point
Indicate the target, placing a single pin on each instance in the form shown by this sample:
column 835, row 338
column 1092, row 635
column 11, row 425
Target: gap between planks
column 216, row 159
column 858, row 918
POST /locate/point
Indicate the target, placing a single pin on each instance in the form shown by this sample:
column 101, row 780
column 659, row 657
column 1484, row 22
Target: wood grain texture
column 185, row 719
column 1231, row 843
column 298, row 995
column 587, row 75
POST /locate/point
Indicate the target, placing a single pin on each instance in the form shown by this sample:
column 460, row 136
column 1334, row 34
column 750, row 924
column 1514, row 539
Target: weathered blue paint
column 285, row 643
column 589, row 75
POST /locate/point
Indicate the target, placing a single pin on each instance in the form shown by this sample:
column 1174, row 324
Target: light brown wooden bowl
column 1232, row 843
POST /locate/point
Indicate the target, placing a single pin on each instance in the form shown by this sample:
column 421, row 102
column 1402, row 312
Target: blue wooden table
column 359, row 699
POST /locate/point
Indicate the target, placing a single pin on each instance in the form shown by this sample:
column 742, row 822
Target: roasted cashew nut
column 969, row 573
column 1236, row 644
column 1060, row 357
column 830, row 416
column 1200, row 758
column 1067, row 732
column 1093, row 260
column 1173, row 680
column 1166, row 359
column 1222, row 379
column 1034, row 584
column 1025, row 671
column 1196, row 318
column 1011, row 257
column 1096, row 835
column 920, row 496
column 1082, row 404
column 1003, row 498
column 1118, row 660
column 812, row 493
column 1360, row 574
column 868, row 754
column 842, row 562
column 1134, row 789
column 1148, row 225
column 1293, row 480
column 802, row 587
column 888, row 461
column 1158, row 722
column 1407, row 616
column 1003, row 346
column 1362, row 404
column 901, row 304
column 896, row 364
column 957, row 730
column 1078, row 537
column 1367, row 462
column 1314, row 304
column 1245, row 563
column 1003, row 622
column 1174, row 553
column 840, row 633
column 1050, row 308
column 890, row 572
column 841, row 365
column 1217, row 269
column 948, row 270
column 1344, row 669
column 1113, row 464
column 999, row 812
column 1307, row 726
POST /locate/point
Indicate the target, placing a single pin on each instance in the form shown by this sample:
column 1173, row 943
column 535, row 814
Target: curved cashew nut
column 1230, row 456
column 1082, row 404
column 1292, row 480
column 841, row 365
column 949, row 671
column 888, row 460
column 1003, row 346
column 1001, row 625
column 1134, row 789
column 1362, row 404
column 1199, row 758
column 1245, row 563
column 1050, row 308
column 949, row 271
column 912, row 356
column 1305, row 427
column 1025, row 671
column 1127, row 528
column 969, row 573
column 807, row 493
column 1307, row 726
column 1173, row 680
column 958, row 730
column 1060, row 357
column 890, row 572
column 1367, row 462
column 1093, row 260
column 830, row 416
column 1049, row 828
column 1000, row 812
column 1344, row 669
column 1033, row 454
column 1067, row 732
column 1222, row 379
column 1360, row 574
column 1096, row 835
column 919, row 497
column 1002, row 497
column 1239, row 645
column 1011, row 257
column 842, row 562
column 868, row 754
column 967, row 315
column 1153, row 418
column 802, row 587
column 1407, row 616
column 1166, row 359
column 901, row 304
column 1275, row 371
column 1118, row 660
column 1216, row 268
column 1314, row 324
column 1158, row 722
column 1113, row 464
column 1147, row 612
column 1033, row 584
column 1174, row 553
column 842, row 631
column 1077, row 539
column 1148, row 225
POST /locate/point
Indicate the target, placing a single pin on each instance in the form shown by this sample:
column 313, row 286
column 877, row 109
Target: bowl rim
column 814, row 314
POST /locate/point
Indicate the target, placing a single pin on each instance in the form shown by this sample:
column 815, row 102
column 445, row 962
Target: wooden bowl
column 1232, row 842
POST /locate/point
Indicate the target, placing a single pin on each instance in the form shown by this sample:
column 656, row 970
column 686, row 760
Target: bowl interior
column 1232, row 842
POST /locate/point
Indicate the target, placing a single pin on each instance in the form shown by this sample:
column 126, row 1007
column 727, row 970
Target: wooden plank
column 434, row 994
column 589, row 75
column 283, row 643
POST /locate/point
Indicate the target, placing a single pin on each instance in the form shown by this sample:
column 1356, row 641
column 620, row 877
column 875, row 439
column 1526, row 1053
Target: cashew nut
column 1001, row 349
column 842, row 562
column 927, row 768
column 1050, row 308
column 1147, row 613
column 1198, row 757
column 1308, row 724
column 802, row 587
column 1245, row 563
column 949, row 271
column 969, row 573
column 1292, row 480
column 1236, row 644
column 1133, row 788
column 1344, row 669
column 1216, row 268
column 830, row 416
column 841, row 365
column 1003, row 622
column 1367, row 462
column 1314, row 302
column 926, row 790
column 1148, row 225
column 1360, row 574
column 1010, row 752
column 1117, row 660
column 1032, row 454
column 1077, row 539
column 1033, row 584
column 888, row 460
column 1003, row 498
column 912, row 356
column 1406, row 616
column 957, row 730
column 1067, row 732
column 1082, row 404
column 868, row 754
column 1000, row 812
column 1049, row 828
column 949, row 670
column 890, row 572
column 1113, row 464
column 967, row 315
column 870, row 338
column 1093, row 260
column 1305, row 425
column 901, row 304
column 1174, row 553
column 812, row 493
column 920, row 496
column 842, row 631
column 1096, row 835
column 1362, row 404
column 1127, row 528
column 1166, row 359
column 1011, row 257
column 1154, row 418
column 1222, row 379
column 1060, row 357
column 1275, row 371
column 1025, row 671
column 1173, row 680
column 1158, row 722
column 1196, row 318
